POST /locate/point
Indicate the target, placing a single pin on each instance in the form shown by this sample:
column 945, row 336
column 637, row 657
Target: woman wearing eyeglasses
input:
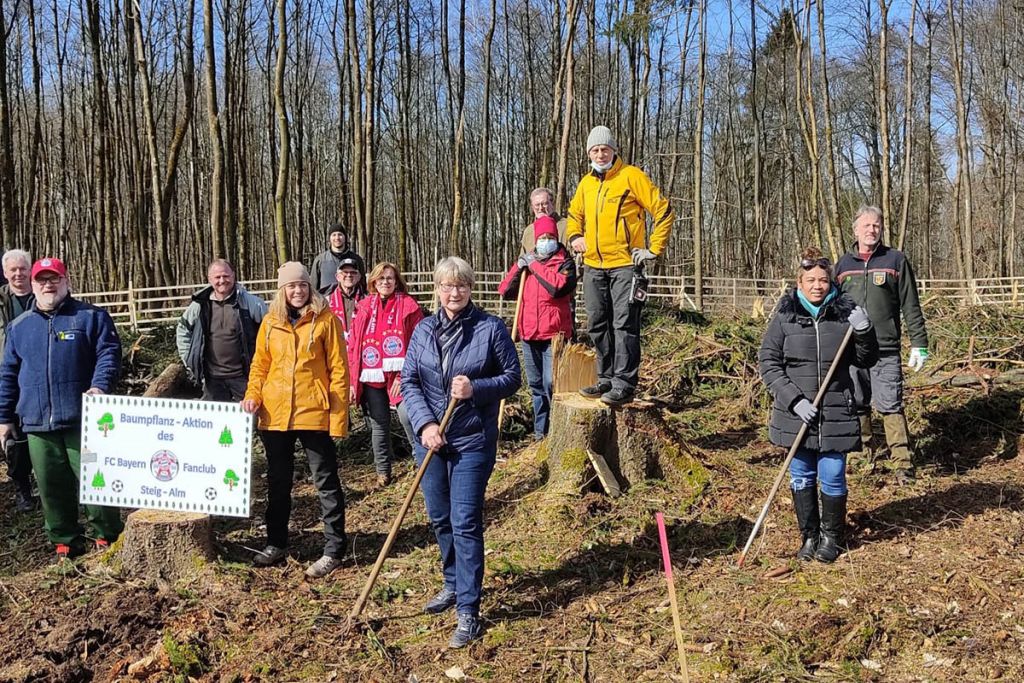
column 381, row 329
column 458, row 353
column 799, row 346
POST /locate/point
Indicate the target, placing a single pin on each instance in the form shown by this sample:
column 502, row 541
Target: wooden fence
column 141, row 308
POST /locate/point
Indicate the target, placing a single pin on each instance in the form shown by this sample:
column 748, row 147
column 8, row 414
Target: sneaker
column 442, row 601
column 63, row 552
column 595, row 390
column 617, row 397
column 270, row 555
column 322, row 567
column 24, row 502
column 468, row 630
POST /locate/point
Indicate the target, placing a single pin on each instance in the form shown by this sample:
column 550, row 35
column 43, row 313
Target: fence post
column 735, row 302
column 133, row 315
column 975, row 298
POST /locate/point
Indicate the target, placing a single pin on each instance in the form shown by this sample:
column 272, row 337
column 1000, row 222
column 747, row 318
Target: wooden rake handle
column 357, row 608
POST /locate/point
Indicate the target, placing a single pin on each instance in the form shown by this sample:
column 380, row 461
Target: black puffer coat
column 795, row 357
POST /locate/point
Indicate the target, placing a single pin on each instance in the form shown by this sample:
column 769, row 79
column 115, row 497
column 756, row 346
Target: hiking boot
column 468, row 630
column 596, row 390
column 383, row 480
column 102, row 545
column 805, row 502
column 833, row 519
column 617, row 397
column 322, row 567
column 269, row 556
column 25, row 502
column 66, row 551
column 442, row 601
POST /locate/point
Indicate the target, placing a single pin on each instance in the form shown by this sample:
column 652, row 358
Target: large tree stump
column 633, row 441
column 166, row 546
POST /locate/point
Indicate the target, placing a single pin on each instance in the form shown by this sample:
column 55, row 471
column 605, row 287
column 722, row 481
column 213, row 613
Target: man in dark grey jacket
column 880, row 279
column 15, row 298
column 216, row 335
column 326, row 265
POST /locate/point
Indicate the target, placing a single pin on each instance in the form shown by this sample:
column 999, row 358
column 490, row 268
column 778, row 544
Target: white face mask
column 601, row 169
column 546, row 247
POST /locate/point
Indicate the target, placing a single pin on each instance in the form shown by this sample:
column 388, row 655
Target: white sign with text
column 166, row 454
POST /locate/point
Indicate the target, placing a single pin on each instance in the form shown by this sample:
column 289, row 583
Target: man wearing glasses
column 880, row 279
column 60, row 349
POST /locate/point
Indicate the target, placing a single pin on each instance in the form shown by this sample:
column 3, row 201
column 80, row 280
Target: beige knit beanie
column 293, row 271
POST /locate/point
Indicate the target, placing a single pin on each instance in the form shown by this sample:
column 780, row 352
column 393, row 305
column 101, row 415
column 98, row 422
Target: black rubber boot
column 833, row 521
column 805, row 501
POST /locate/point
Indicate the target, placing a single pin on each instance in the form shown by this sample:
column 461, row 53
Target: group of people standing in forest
column 334, row 336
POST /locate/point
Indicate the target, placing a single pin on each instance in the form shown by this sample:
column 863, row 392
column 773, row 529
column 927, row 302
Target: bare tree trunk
column 956, row 48
column 573, row 14
column 908, row 132
column 883, row 110
column 698, row 161
column 284, row 139
column 216, row 144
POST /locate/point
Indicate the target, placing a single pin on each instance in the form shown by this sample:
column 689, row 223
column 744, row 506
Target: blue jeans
column 828, row 468
column 537, row 363
column 453, row 488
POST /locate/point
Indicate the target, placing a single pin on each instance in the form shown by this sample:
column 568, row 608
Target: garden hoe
column 357, row 609
column 793, row 449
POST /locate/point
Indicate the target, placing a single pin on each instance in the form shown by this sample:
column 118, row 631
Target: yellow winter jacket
column 609, row 213
column 299, row 374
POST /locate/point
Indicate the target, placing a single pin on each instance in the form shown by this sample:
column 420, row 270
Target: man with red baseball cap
column 58, row 350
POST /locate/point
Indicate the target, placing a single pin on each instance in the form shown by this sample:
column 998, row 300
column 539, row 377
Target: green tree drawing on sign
column 98, row 482
column 106, row 423
column 225, row 438
column 231, row 479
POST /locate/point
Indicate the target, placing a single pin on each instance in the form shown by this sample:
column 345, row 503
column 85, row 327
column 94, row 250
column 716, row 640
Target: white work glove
column 641, row 255
column 805, row 410
column 918, row 355
column 859, row 320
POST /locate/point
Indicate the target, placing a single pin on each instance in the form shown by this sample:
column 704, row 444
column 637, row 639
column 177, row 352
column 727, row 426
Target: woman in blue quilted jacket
column 466, row 354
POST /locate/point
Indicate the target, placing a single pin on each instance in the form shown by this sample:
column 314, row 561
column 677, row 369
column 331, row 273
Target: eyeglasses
column 448, row 288
column 52, row 280
column 809, row 263
column 386, row 278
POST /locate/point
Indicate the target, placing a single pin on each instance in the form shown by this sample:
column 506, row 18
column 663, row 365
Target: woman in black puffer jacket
column 799, row 346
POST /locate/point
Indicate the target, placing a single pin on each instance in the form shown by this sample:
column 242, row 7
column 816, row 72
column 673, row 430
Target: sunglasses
column 809, row 263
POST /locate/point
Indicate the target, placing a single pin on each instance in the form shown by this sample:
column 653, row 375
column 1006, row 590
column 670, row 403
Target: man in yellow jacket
column 606, row 223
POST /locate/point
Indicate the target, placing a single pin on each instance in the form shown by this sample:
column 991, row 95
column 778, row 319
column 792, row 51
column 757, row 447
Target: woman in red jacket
column 377, row 342
column 545, row 312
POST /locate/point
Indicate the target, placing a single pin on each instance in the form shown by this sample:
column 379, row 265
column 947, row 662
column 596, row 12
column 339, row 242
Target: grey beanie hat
column 601, row 135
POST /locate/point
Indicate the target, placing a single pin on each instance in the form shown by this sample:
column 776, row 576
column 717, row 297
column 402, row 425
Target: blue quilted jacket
column 49, row 361
column 486, row 355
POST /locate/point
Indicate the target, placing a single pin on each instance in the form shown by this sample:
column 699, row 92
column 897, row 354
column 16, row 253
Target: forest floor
column 932, row 588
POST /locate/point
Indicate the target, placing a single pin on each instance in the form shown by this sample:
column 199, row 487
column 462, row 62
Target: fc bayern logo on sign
column 164, row 465
column 393, row 345
column 371, row 356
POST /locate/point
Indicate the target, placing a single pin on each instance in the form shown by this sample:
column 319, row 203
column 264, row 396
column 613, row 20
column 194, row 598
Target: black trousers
column 224, row 388
column 323, row 462
column 614, row 325
column 19, row 466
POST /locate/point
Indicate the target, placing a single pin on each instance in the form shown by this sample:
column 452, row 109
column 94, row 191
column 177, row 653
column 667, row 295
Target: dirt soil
column 932, row 588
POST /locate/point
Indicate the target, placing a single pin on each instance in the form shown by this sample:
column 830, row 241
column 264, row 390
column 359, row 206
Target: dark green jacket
column 885, row 286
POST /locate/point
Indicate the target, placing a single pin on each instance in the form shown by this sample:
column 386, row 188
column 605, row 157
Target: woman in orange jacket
column 298, row 387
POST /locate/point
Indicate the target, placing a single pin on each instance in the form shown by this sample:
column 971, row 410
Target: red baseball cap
column 49, row 265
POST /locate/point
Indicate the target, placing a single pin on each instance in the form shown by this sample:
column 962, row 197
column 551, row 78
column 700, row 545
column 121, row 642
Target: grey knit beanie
column 601, row 135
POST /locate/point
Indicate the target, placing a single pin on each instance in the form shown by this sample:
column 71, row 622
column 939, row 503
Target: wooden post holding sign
column 180, row 461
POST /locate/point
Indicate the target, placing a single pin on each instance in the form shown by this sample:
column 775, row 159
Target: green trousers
column 56, row 460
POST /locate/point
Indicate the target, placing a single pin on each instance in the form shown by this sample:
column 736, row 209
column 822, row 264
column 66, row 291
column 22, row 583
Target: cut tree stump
column 172, row 382
column 633, row 442
column 166, row 546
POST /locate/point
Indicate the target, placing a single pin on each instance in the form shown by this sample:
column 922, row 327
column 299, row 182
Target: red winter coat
column 546, row 296
column 410, row 314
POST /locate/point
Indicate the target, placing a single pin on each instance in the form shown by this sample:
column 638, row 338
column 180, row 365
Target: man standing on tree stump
column 606, row 224
column 216, row 335
column 880, row 279
column 60, row 349
column 326, row 265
